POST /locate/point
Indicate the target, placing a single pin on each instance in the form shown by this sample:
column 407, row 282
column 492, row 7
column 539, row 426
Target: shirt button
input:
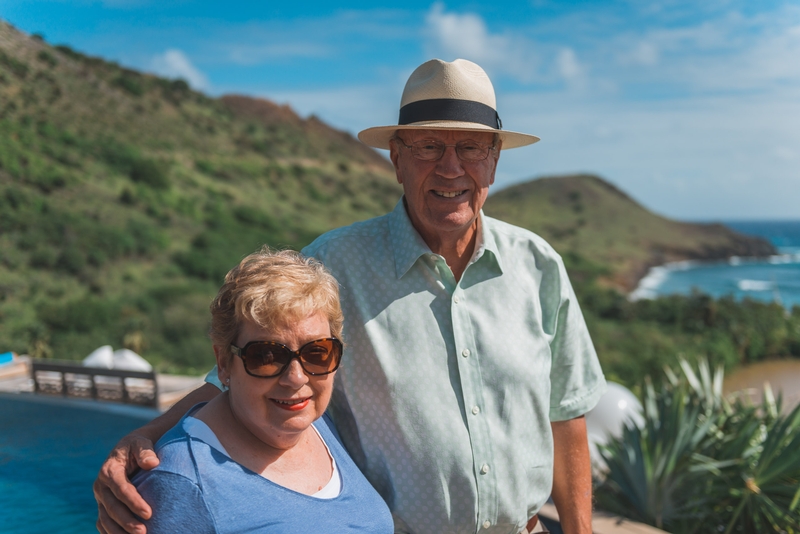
column 487, row 524
column 456, row 299
column 475, row 410
column 484, row 469
column 465, row 353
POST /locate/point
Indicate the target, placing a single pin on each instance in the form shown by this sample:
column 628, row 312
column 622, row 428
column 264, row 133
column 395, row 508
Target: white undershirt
column 198, row 429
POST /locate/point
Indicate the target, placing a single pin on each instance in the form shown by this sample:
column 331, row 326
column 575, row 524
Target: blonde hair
column 272, row 288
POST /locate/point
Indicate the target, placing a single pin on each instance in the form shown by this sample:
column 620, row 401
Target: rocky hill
column 587, row 216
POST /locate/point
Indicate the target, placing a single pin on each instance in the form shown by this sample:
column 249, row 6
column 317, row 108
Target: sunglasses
column 268, row 359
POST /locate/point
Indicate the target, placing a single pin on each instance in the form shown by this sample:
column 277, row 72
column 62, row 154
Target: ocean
column 774, row 279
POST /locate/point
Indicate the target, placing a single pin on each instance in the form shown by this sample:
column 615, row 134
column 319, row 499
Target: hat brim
column 379, row 136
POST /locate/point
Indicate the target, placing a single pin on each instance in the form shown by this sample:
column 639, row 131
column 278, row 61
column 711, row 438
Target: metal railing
column 71, row 379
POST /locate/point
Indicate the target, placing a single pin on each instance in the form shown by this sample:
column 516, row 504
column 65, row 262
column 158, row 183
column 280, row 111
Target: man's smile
column 449, row 194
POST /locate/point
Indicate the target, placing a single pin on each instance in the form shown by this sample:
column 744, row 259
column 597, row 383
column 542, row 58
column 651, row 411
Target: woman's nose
column 294, row 374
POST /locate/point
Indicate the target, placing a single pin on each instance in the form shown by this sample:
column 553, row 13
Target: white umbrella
column 130, row 361
column 101, row 357
column 617, row 408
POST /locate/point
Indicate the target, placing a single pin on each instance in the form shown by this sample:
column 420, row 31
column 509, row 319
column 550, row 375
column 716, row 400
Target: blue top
column 198, row 489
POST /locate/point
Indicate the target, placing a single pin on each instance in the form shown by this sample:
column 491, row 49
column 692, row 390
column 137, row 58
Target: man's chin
column 461, row 220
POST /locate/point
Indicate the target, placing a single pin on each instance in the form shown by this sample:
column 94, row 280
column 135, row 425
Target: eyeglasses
column 268, row 359
column 430, row 150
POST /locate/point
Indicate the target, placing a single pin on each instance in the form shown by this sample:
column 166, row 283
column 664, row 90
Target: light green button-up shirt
column 446, row 390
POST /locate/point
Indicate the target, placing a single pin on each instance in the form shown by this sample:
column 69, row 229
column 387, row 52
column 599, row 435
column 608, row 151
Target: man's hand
column 117, row 499
column 118, row 502
column 572, row 476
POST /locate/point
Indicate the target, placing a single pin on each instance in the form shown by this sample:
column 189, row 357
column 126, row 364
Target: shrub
column 147, row 237
column 46, row 57
column 18, row 68
column 127, row 197
column 130, row 83
column 119, row 156
column 67, row 51
column 701, row 463
column 44, row 257
column 71, row 260
column 149, row 172
column 80, row 315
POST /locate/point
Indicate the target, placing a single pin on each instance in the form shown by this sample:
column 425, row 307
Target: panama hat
column 447, row 96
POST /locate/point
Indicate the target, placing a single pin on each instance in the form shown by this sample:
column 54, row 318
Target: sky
column 692, row 108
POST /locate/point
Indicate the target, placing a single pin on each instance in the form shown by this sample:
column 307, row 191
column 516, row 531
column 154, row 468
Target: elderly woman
column 261, row 457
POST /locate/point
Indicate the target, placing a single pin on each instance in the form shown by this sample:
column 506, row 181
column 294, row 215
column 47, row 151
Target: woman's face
column 278, row 410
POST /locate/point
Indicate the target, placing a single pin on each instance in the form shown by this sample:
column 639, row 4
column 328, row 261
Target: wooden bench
column 71, row 379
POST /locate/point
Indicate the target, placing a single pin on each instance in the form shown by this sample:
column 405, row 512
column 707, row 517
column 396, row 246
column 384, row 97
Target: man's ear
column 394, row 156
column 496, row 157
column 224, row 358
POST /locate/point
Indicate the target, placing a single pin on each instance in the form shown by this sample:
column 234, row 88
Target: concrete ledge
column 173, row 388
column 605, row 523
column 16, row 368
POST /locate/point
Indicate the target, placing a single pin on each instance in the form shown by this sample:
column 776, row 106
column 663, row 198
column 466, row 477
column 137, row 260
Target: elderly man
column 469, row 366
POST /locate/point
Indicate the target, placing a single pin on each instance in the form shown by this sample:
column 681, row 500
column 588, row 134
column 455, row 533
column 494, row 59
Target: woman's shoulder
column 177, row 452
column 174, row 455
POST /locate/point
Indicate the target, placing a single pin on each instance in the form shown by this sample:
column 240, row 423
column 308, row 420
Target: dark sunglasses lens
column 265, row 359
column 321, row 356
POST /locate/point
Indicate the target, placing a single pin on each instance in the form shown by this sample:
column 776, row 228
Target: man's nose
column 449, row 165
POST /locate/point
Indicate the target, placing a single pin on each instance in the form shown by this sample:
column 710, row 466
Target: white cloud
column 254, row 54
column 174, row 64
column 785, row 153
column 704, row 157
column 464, row 34
column 454, row 35
column 728, row 53
column 570, row 68
column 644, row 53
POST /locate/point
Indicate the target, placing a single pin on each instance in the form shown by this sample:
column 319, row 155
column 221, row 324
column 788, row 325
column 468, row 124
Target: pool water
column 50, row 451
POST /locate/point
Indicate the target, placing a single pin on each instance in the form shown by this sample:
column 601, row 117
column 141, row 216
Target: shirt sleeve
column 213, row 378
column 178, row 505
column 576, row 379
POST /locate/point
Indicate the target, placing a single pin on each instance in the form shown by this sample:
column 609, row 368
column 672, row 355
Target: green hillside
column 124, row 198
column 586, row 216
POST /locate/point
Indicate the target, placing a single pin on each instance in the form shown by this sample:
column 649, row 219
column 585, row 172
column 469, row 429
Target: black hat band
column 449, row 109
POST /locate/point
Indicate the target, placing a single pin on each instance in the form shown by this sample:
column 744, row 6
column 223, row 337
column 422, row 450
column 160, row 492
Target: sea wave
column 755, row 285
column 647, row 288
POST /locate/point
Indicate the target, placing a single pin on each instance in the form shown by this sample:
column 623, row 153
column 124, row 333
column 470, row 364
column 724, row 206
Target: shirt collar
column 486, row 243
column 408, row 246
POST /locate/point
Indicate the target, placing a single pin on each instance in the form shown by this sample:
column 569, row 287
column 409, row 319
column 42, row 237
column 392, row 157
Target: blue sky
column 693, row 108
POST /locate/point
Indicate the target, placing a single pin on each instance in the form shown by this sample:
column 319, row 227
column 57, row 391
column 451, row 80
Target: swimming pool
column 50, row 451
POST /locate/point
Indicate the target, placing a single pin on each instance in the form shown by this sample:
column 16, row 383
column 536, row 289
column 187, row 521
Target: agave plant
column 702, row 463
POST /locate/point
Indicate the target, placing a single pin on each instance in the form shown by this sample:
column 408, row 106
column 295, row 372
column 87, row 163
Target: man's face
column 444, row 197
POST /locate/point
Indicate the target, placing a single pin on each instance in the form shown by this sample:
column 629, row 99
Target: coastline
column 648, row 285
